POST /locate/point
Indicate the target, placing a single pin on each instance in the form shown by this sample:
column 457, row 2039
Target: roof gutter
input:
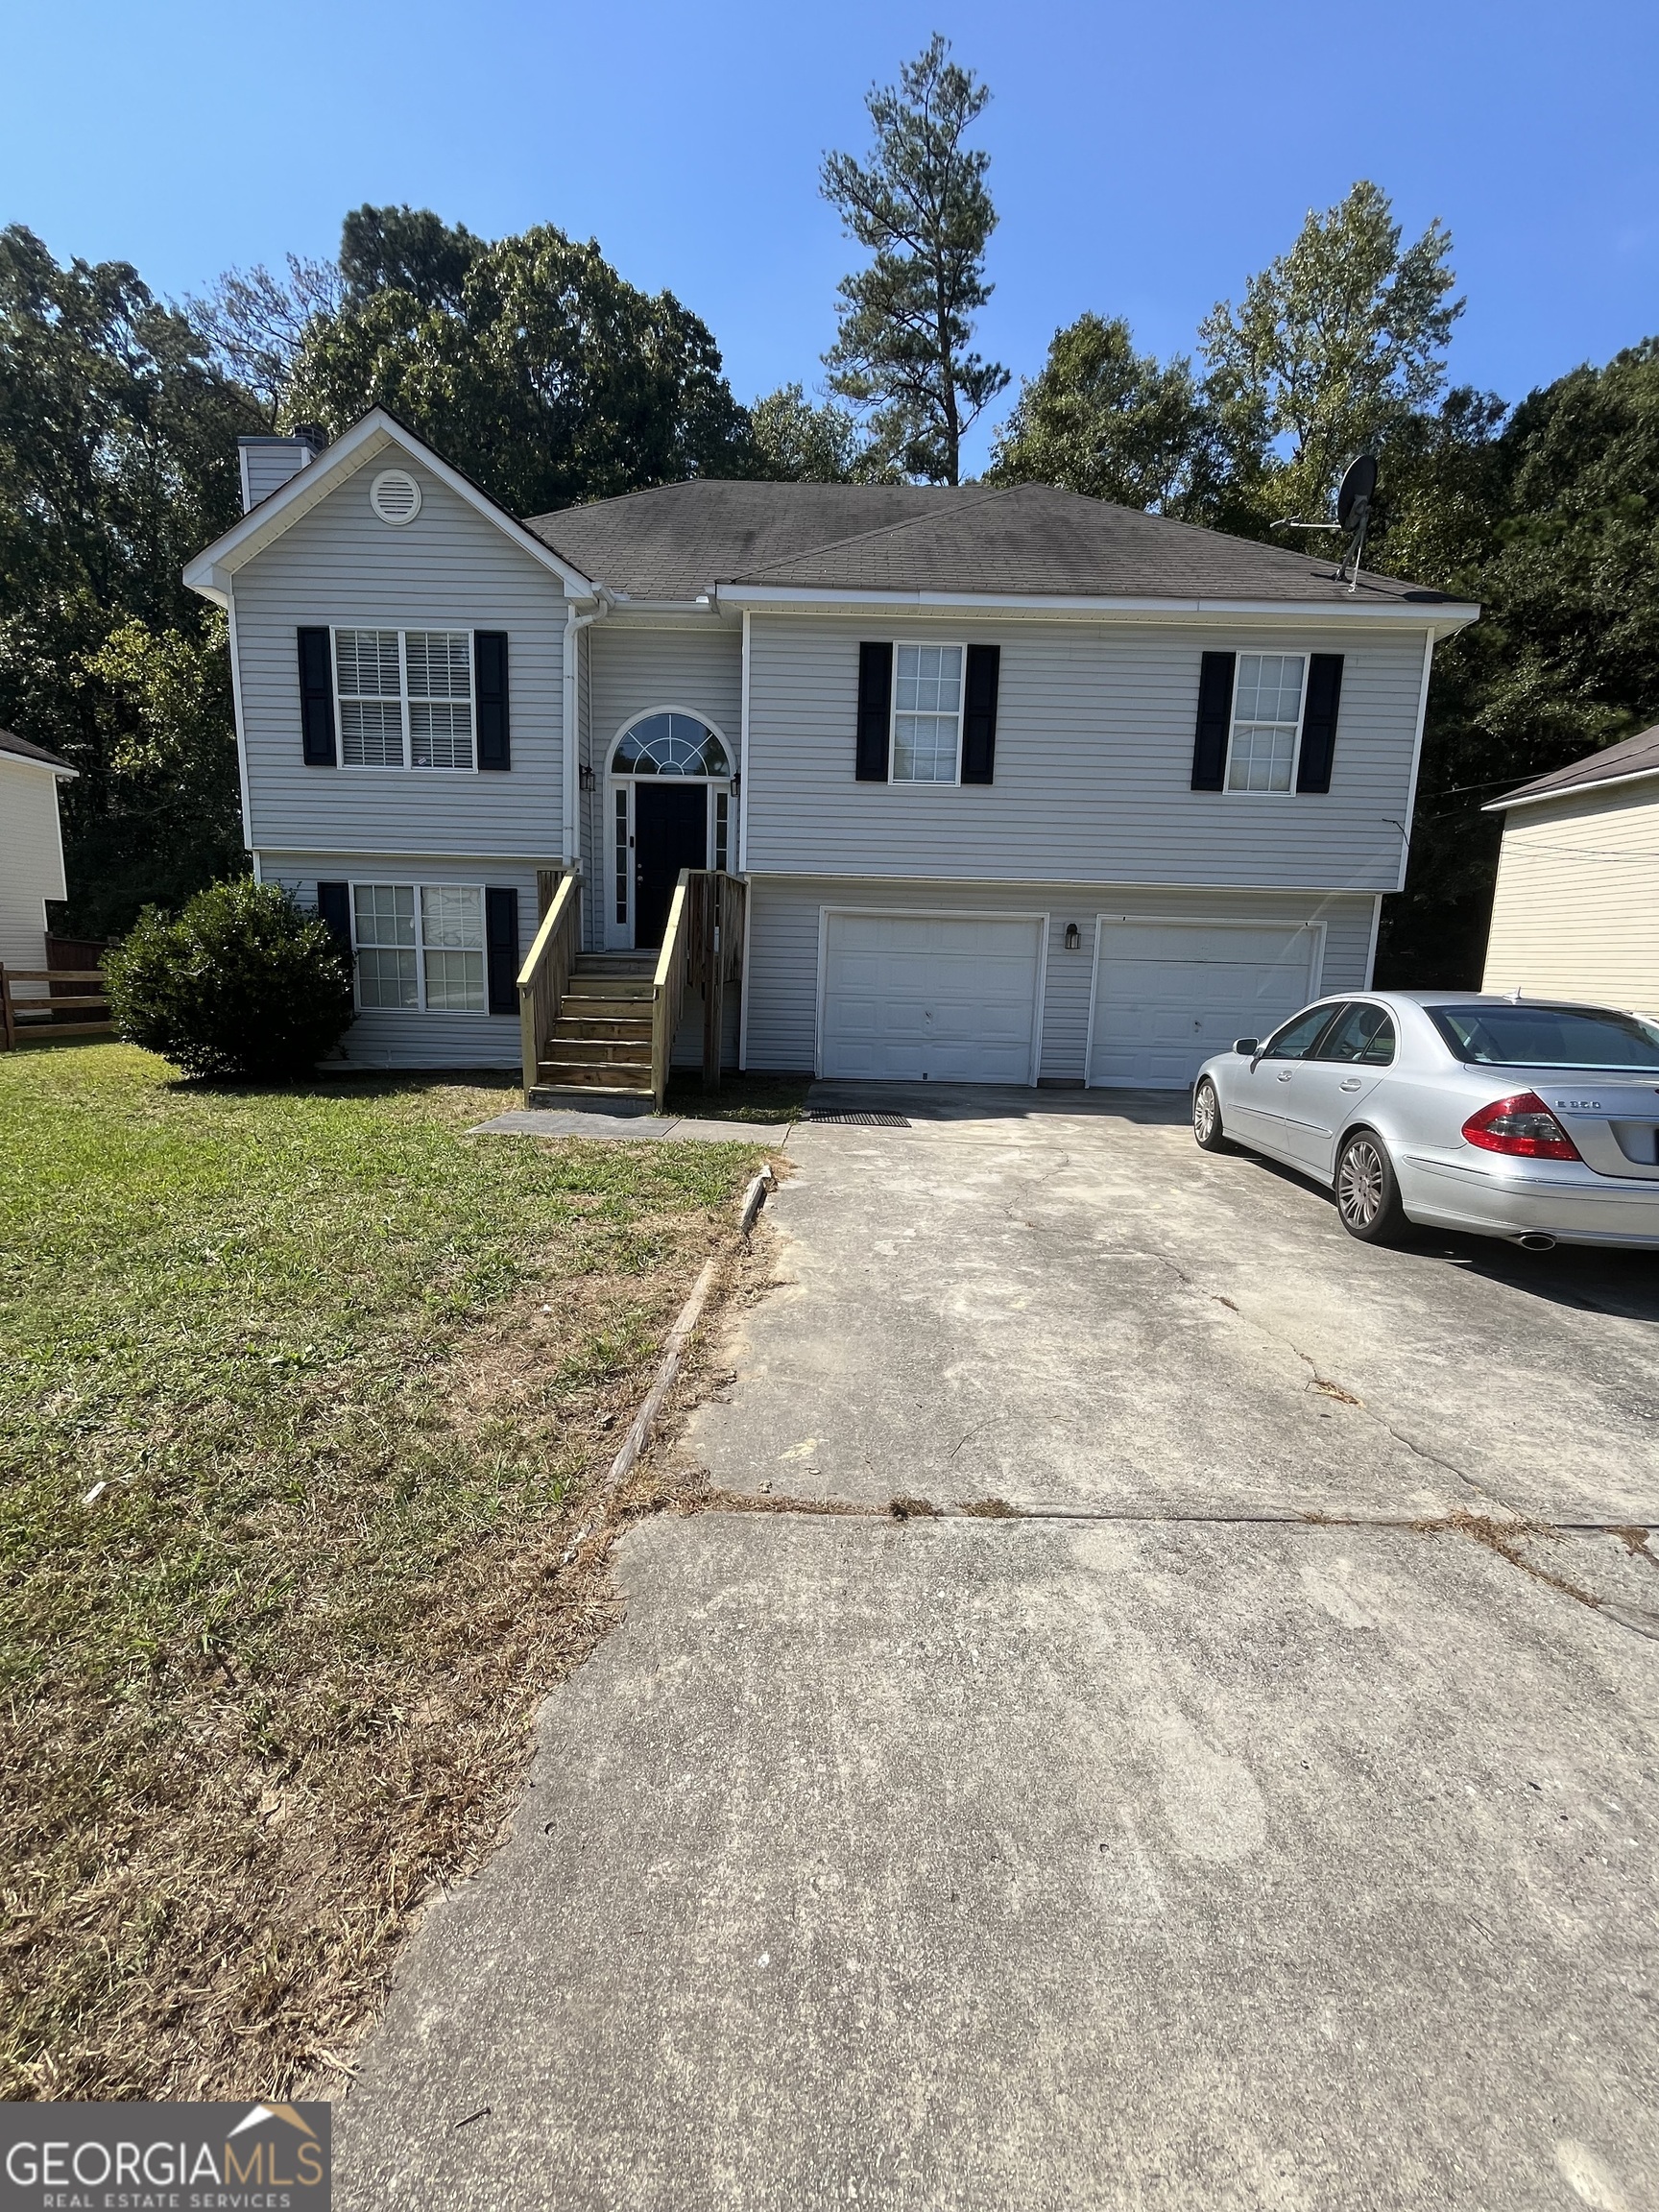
column 1523, row 798
column 1443, row 616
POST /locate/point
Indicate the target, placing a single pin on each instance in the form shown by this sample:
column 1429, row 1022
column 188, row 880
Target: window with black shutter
column 979, row 714
column 875, row 711
column 317, row 699
column 1215, row 721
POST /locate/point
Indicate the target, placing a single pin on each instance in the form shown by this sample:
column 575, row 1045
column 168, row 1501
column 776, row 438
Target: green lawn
column 299, row 1392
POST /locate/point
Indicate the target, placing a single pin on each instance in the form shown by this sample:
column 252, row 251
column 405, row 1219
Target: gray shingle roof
column 674, row 542
column 26, row 749
column 1631, row 756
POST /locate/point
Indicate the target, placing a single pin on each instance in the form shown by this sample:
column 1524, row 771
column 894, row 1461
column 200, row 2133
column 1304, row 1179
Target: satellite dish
column 1354, row 498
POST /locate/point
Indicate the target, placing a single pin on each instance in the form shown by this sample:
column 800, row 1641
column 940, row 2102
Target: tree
column 1550, row 522
column 530, row 363
column 921, row 206
column 795, row 442
column 1103, row 419
column 1337, row 344
column 257, row 324
column 117, row 462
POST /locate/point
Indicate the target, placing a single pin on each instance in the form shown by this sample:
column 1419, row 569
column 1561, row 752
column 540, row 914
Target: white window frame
column 394, row 883
column 406, row 766
column 922, row 783
column 1290, row 790
column 619, row 871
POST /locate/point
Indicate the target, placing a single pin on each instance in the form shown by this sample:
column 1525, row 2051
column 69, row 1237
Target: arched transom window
column 670, row 745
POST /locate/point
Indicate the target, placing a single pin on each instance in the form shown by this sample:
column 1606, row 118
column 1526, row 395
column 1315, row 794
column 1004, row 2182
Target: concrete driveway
column 1251, row 1817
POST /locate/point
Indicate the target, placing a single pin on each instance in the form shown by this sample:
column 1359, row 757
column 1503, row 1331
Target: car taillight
column 1523, row 1124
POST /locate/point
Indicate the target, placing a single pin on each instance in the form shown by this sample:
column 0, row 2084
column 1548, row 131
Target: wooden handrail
column 702, row 950
column 668, row 988
column 545, row 975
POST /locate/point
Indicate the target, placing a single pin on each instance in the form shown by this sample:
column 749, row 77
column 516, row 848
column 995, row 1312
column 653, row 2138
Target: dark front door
column 670, row 833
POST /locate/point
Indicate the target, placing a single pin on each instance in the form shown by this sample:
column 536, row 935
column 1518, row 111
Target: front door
column 670, row 833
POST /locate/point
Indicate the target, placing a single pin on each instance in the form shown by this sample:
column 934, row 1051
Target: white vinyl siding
column 31, row 859
column 1576, row 912
column 1094, row 728
column 1267, row 721
column 450, row 571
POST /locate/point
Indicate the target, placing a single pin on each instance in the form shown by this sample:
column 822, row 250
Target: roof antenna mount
column 1353, row 514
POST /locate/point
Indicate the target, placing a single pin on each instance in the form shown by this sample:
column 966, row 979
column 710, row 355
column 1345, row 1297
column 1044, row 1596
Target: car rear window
column 1548, row 1037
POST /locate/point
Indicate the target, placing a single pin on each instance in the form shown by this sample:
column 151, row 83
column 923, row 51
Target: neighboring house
column 31, row 847
column 1576, row 909
column 1023, row 785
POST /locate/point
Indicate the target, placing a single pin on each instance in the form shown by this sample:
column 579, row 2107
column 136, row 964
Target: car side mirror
column 1246, row 1046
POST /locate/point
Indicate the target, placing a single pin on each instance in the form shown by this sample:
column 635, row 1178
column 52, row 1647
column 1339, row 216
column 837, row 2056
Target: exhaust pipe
column 1535, row 1240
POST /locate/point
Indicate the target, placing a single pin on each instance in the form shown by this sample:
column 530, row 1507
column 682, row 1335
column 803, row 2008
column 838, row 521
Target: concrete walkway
column 1159, row 1846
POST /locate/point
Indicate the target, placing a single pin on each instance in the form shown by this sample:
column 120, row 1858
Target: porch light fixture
column 584, row 776
column 1073, row 937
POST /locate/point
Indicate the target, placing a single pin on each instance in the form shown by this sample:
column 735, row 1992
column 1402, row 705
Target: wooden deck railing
column 545, row 975
column 701, row 951
column 38, row 1017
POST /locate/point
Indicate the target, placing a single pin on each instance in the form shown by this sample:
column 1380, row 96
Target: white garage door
column 941, row 997
column 1169, row 993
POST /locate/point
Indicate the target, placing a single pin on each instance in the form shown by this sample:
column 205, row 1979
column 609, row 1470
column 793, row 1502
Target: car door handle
column 1351, row 1083
column 1283, row 1075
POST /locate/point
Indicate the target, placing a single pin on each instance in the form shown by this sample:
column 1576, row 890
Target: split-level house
column 1020, row 786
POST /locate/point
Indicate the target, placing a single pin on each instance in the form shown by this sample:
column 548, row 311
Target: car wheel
column 1367, row 1192
column 1207, row 1119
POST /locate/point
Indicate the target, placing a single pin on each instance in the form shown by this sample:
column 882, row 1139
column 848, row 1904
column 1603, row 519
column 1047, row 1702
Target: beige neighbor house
column 1575, row 912
column 31, row 847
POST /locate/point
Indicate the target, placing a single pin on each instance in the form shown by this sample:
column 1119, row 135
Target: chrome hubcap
column 1360, row 1187
column 1204, row 1111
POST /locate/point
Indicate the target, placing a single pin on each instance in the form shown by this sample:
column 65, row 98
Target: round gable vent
column 395, row 496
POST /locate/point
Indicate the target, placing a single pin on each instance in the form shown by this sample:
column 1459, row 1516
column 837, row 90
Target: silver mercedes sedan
column 1524, row 1119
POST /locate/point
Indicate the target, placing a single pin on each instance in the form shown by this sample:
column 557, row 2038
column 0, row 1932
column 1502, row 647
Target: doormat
column 861, row 1120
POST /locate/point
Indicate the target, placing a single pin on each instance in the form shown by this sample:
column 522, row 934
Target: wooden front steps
column 601, row 1040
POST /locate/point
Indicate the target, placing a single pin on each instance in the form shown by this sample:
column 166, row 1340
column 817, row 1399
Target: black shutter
column 979, row 714
column 1215, row 721
column 490, row 682
column 317, row 698
column 875, row 711
column 1319, row 721
column 501, row 936
column 334, row 907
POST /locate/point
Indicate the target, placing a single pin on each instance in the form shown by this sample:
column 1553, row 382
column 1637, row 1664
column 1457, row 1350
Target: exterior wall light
column 1073, row 937
column 584, row 776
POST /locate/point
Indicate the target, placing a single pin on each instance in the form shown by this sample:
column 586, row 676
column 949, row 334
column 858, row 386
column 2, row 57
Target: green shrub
column 243, row 982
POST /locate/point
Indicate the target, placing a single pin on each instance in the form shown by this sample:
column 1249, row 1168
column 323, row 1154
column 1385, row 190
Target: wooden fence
column 34, row 1012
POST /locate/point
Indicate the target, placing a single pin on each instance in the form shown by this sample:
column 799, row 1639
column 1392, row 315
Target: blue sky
column 1145, row 158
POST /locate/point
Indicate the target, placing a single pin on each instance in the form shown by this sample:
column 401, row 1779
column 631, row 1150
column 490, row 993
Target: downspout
column 574, row 625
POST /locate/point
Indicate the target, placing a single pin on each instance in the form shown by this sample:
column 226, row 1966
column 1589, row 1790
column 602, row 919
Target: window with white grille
column 1267, row 721
column 420, row 945
column 926, row 713
column 405, row 698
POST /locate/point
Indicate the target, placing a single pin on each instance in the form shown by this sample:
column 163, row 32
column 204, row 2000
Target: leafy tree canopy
column 919, row 204
column 1335, row 346
column 798, row 442
column 1106, row 421
column 528, row 362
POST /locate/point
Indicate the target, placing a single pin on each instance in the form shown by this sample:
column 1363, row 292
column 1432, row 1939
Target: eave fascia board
column 1570, row 791
column 1444, row 617
column 375, row 434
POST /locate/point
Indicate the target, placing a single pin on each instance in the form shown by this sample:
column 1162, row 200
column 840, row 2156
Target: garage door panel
column 1169, row 995
column 945, row 999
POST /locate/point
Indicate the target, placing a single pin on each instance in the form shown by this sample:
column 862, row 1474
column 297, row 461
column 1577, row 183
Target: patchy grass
column 298, row 1395
column 754, row 1097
